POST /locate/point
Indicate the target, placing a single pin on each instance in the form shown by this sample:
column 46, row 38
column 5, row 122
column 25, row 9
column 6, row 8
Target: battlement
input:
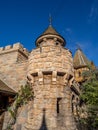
column 15, row 47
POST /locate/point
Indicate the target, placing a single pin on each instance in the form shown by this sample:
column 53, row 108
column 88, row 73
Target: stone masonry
column 13, row 65
column 49, row 70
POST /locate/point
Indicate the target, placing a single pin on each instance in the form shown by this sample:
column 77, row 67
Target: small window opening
column 73, row 104
column 79, row 73
column 57, row 43
column 58, row 105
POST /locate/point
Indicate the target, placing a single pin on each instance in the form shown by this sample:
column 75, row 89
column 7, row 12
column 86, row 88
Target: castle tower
column 51, row 73
column 80, row 64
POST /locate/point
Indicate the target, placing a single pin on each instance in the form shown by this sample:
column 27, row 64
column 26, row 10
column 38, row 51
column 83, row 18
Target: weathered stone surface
column 49, row 70
column 51, row 63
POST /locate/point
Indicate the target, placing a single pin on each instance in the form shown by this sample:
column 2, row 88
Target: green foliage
column 90, row 97
column 13, row 114
column 9, row 127
column 25, row 94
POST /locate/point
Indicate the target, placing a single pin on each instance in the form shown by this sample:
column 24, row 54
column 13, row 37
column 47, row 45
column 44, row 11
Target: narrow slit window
column 58, row 105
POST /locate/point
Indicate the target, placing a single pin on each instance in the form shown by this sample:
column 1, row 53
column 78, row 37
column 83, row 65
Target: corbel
column 54, row 77
column 40, row 76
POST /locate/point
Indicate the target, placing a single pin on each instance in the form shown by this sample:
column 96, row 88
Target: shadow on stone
column 43, row 125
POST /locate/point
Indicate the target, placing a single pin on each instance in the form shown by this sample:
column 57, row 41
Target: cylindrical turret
column 49, row 70
column 50, row 54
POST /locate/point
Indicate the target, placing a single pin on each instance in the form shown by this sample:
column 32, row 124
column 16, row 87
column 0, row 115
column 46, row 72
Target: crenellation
column 17, row 45
column 11, row 47
column 14, row 47
column 1, row 49
column 8, row 47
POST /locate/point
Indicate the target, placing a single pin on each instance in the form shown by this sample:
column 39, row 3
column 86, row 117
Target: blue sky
column 76, row 20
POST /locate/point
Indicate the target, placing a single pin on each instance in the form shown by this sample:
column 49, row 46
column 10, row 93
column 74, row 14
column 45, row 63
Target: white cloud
column 69, row 30
column 93, row 12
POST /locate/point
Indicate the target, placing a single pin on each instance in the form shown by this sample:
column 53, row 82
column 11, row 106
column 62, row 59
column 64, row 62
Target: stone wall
column 50, row 57
column 50, row 71
column 13, row 65
column 13, row 53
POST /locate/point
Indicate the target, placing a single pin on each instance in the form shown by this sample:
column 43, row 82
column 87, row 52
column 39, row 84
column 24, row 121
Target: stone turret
column 50, row 33
column 51, row 74
column 81, row 64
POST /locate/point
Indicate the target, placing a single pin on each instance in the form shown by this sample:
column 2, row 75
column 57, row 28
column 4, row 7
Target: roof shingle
column 80, row 60
column 5, row 89
column 50, row 30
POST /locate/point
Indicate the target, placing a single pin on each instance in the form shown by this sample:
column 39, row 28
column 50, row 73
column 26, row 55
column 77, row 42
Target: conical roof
column 50, row 32
column 80, row 60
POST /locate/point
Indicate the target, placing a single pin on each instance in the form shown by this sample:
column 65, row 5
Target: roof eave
column 80, row 66
column 49, row 35
column 8, row 92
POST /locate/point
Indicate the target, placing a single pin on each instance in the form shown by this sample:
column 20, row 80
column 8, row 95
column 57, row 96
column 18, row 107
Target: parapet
column 15, row 47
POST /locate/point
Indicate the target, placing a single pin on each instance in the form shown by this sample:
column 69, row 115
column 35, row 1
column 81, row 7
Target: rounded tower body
column 50, row 54
column 51, row 72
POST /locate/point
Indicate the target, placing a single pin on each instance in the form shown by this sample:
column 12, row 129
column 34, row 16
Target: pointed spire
column 78, row 46
column 50, row 20
column 80, row 60
column 50, row 32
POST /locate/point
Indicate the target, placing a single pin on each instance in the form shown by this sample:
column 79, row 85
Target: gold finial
column 50, row 20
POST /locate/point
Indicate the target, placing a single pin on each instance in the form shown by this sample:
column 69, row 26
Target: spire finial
column 50, row 20
column 78, row 46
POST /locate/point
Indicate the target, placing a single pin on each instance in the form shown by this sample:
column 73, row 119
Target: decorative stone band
column 50, row 36
column 68, row 79
column 10, row 48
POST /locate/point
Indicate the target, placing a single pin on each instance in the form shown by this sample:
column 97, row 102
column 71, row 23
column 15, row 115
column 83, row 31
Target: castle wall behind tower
column 13, row 65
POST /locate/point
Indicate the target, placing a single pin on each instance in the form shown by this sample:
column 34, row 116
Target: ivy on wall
column 24, row 95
